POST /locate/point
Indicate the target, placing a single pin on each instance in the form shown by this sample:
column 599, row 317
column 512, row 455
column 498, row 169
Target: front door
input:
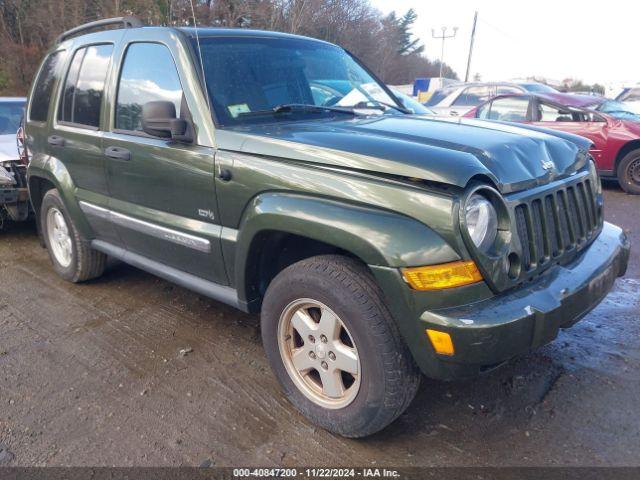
column 162, row 192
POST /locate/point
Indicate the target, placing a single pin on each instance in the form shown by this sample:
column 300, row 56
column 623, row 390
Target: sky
column 593, row 41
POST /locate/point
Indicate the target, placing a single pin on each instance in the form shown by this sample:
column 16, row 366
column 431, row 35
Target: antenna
column 195, row 26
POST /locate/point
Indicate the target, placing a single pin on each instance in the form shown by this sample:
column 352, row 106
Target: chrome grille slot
column 555, row 223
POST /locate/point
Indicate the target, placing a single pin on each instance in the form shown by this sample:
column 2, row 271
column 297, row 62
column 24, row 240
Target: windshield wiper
column 299, row 107
column 380, row 106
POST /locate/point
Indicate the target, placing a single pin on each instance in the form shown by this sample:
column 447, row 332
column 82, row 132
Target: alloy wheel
column 319, row 353
column 59, row 237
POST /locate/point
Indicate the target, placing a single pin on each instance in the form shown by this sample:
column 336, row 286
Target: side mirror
column 159, row 120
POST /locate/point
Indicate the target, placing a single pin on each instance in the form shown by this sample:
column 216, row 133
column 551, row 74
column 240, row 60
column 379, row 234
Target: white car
column 631, row 98
column 411, row 103
column 14, row 197
column 458, row 98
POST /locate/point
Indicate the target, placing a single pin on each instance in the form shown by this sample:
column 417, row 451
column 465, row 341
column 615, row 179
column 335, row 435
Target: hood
column 8, row 148
column 449, row 151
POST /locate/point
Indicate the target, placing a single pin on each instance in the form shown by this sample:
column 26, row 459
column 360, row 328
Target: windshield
column 618, row 110
column 10, row 115
column 248, row 78
column 538, row 88
column 412, row 104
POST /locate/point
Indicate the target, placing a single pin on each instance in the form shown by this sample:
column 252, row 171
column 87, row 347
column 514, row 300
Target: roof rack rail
column 126, row 22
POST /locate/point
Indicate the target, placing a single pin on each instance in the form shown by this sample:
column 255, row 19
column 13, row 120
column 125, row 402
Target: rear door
column 76, row 134
column 162, row 192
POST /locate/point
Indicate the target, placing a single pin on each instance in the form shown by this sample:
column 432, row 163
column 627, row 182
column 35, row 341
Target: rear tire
column 629, row 172
column 72, row 256
column 335, row 348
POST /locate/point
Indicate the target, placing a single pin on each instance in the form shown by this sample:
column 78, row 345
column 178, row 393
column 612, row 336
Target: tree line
column 385, row 43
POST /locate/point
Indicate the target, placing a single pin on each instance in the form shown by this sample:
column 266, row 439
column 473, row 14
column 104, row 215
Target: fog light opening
column 513, row 265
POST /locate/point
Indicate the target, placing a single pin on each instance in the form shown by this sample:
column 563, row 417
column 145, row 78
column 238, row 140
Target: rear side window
column 44, row 86
column 632, row 95
column 84, row 87
column 438, row 96
column 508, row 90
column 148, row 74
column 473, row 96
column 507, row 109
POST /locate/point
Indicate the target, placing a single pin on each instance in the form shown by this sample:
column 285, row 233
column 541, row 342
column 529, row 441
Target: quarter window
column 148, row 74
column 39, row 109
column 81, row 100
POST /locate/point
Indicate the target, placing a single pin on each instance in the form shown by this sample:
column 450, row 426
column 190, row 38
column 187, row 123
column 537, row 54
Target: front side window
column 473, row 96
column 148, row 74
column 507, row 109
column 81, row 99
column 44, row 86
column 246, row 75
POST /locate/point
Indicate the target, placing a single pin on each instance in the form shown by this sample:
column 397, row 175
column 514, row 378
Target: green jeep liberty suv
column 276, row 174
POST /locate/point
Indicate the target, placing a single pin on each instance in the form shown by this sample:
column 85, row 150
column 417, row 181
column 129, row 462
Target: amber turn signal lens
column 446, row 275
column 441, row 342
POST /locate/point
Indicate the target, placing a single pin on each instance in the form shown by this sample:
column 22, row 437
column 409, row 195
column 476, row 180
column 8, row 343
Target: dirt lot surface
column 91, row 375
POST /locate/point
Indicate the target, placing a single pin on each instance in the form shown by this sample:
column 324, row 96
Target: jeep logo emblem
column 547, row 164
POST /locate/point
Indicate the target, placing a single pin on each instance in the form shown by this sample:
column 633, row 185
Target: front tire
column 629, row 172
column 335, row 348
column 72, row 257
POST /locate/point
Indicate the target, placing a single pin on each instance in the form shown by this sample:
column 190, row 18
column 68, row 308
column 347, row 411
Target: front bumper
column 490, row 331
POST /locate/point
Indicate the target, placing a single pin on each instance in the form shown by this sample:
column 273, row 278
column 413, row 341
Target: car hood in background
column 450, row 151
column 8, row 148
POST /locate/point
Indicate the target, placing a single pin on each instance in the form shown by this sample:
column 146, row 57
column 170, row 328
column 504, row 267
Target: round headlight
column 595, row 177
column 482, row 221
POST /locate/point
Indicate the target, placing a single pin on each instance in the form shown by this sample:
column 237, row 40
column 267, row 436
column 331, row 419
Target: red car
column 616, row 141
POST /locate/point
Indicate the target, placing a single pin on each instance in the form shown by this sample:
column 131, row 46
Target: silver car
column 14, row 199
column 631, row 98
column 458, row 98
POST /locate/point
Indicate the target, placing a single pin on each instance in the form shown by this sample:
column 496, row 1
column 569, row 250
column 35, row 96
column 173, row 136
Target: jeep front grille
column 557, row 222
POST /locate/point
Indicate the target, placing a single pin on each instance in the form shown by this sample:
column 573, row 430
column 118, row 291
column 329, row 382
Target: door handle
column 225, row 174
column 118, row 153
column 56, row 141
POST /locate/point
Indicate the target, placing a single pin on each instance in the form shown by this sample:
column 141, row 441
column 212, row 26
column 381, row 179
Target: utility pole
column 443, row 37
column 473, row 37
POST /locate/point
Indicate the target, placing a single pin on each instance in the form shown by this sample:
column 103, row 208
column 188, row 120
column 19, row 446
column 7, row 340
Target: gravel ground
column 92, row 375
